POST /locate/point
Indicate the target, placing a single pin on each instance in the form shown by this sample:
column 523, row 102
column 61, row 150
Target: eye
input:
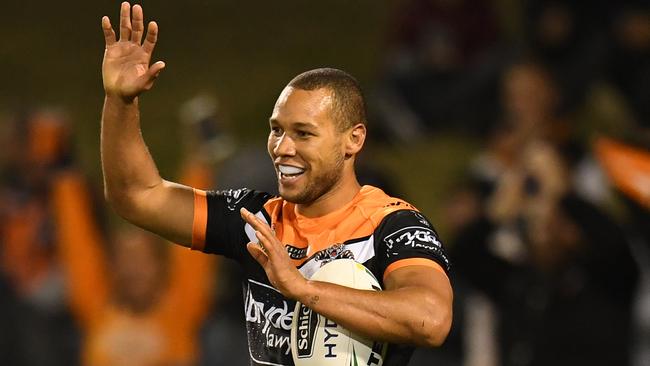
column 303, row 134
column 276, row 131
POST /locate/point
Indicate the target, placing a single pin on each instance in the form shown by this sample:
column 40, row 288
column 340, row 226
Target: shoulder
column 403, row 232
column 377, row 205
column 401, row 224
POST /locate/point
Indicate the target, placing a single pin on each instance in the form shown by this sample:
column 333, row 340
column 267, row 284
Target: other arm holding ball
column 415, row 308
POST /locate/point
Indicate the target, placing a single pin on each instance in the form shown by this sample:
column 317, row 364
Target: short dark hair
column 349, row 107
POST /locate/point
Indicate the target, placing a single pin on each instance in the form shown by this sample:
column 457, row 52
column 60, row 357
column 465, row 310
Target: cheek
column 330, row 156
column 270, row 145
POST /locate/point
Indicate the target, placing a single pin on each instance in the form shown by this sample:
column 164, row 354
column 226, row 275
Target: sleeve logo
column 415, row 237
column 234, row 197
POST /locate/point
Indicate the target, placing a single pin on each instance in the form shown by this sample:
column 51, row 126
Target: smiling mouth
column 289, row 172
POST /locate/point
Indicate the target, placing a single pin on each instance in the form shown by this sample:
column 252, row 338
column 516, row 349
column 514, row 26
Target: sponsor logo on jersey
column 268, row 320
column 306, row 334
column 233, row 197
column 414, row 237
column 295, row 252
column 421, row 219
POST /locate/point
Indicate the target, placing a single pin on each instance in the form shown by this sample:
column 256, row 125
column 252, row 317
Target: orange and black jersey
column 381, row 232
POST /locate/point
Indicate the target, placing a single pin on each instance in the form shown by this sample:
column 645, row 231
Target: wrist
column 306, row 293
column 120, row 99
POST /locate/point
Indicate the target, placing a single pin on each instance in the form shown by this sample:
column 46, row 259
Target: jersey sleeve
column 406, row 238
column 218, row 227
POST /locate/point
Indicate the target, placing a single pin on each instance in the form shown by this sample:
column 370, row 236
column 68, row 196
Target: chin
column 289, row 197
column 297, row 197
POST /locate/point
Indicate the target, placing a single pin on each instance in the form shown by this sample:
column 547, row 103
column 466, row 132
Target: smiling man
column 317, row 128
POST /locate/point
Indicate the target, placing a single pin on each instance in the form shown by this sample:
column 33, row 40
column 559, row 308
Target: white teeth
column 290, row 170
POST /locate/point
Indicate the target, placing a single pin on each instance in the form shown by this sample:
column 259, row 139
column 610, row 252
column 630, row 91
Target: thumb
column 155, row 69
column 150, row 76
column 258, row 253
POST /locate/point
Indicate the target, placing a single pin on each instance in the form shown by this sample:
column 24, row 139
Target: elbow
column 435, row 328
column 123, row 203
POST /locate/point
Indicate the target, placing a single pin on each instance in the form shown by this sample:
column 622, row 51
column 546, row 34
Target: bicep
column 428, row 298
column 430, row 279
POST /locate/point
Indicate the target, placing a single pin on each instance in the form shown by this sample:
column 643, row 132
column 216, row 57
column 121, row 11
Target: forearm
column 129, row 170
column 132, row 183
column 414, row 308
column 413, row 315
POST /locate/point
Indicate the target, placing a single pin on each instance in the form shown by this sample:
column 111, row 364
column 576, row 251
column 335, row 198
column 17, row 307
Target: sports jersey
column 381, row 232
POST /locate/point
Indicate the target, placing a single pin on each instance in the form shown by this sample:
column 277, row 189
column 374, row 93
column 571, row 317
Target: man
column 317, row 129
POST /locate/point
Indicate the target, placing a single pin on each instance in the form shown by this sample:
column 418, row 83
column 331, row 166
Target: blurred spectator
column 525, row 233
column 137, row 301
column 531, row 111
column 557, row 269
column 444, row 56
column 570, row 37
column 628, row 170
column 35, row 318
column 629, row 64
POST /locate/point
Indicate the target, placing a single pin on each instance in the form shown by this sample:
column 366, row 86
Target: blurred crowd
column 548, row 228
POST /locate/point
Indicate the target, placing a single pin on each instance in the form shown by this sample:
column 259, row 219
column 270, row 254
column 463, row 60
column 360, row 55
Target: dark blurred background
column 520, row 128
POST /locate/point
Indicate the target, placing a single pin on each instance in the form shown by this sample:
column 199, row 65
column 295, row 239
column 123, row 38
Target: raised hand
column 125, row 70
column 273, row 257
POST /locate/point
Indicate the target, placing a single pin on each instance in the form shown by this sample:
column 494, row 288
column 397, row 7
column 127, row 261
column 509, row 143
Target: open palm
column 126, row 71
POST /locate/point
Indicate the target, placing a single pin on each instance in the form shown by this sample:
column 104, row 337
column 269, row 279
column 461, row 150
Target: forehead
column 298, row 105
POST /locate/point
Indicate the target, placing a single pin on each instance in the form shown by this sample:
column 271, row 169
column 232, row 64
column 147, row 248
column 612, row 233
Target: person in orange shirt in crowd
column 137, row 301
column 37, row 327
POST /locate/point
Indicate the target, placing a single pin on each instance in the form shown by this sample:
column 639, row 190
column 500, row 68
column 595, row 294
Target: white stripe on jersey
column 250, row 232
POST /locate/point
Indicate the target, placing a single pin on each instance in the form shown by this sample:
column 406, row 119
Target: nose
column 284, row 146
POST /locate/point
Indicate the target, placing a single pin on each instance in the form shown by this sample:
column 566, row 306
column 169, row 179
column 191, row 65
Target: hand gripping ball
column 318, row 341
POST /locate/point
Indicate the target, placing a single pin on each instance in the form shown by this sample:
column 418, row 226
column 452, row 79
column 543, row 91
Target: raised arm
column 132, row 183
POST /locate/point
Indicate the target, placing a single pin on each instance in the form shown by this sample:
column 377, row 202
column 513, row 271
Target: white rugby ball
column 318, row 341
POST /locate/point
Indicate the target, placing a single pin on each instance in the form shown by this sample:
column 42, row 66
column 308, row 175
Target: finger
column 138, row 24
column 109, row 34
column 268, row 244
column 152, row 37
column 155, row 69
column 249, row 218
column 125, row 22
column 152, row 74
column 255, row 221
column 264, row 233
column 257, row 253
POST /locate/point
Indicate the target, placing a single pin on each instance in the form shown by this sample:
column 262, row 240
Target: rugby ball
column 318, row 341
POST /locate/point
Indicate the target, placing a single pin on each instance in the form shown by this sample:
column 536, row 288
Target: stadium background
column 243, row 53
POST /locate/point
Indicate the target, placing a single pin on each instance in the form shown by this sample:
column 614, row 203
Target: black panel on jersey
column 225, row 228
column 401, row 235
column 407, row 234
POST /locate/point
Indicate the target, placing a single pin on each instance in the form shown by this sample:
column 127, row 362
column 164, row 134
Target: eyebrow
column 294, row 124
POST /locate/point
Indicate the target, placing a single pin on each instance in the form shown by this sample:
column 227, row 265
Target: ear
column 356, row 136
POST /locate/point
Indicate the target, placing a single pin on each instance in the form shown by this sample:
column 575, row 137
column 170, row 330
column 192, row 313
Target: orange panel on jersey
column 358, row 219
column 412, row 262
column 200, row 221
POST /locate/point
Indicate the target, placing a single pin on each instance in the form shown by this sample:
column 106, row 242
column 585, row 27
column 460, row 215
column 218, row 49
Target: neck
column 340, row 195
